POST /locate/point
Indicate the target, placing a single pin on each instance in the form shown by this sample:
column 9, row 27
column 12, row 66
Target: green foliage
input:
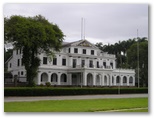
column 48, row 91
column 33, row 35
column 129, row 57
column 48, row 84
column 143, row 61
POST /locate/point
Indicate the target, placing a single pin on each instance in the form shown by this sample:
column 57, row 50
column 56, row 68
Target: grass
column 76, row 105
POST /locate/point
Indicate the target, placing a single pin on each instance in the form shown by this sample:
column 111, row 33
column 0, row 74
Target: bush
column 48, row 84
column 41, row 85
column 48, row 91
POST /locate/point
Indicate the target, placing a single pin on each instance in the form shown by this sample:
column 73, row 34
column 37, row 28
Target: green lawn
column 77, row 105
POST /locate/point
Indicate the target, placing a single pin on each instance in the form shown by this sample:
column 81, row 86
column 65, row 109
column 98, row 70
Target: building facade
column 79, row 63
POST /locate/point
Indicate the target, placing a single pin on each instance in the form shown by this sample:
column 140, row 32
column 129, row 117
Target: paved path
column 78, row 97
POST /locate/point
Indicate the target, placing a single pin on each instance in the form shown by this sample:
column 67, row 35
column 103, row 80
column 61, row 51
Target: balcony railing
column 92, row 66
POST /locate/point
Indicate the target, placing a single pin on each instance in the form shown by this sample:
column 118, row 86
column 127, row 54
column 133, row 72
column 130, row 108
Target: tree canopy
column 126, row 55
column 33, row 35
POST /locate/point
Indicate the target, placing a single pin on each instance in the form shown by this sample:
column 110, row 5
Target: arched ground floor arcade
column 86, row 78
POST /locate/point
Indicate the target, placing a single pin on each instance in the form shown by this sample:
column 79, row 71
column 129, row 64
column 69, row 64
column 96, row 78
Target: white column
column 79, row 61
column 69, row 79
column 59, row 60
column 94, row 79
column 102, row 79
column 70, row 61
column 127, row 80
column 121, row 82
column 59, row 75
column 114, row 81
column 84, row 78
column 49, row 76
column 87, row 62
column 133, row 81
column 94, row 63
column 39, row 78
column 110, row 79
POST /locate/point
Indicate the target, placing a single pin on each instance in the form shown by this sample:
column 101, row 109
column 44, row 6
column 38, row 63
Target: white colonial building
column 78, row 63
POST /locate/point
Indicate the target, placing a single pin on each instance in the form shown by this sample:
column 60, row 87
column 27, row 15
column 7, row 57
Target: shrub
column 41, row 85
column 48, row 84
column 47, row 91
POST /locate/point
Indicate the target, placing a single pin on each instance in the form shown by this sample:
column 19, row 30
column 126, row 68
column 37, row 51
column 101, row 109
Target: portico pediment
column 84, row 43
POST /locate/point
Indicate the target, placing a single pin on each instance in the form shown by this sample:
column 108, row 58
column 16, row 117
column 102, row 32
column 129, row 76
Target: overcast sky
column 106, row 23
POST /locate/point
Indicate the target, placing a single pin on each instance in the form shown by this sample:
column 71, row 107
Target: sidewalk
column 78, row 97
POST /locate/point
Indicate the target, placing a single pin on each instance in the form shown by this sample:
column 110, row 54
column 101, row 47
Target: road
column 78, row 97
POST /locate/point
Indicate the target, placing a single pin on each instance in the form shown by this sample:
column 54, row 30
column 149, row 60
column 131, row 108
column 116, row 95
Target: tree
column 143, row 60
column 33, row 35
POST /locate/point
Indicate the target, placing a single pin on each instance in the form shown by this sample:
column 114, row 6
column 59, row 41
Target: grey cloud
column 104, row 22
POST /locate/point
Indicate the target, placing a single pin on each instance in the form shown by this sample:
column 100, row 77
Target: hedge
column 48, row 91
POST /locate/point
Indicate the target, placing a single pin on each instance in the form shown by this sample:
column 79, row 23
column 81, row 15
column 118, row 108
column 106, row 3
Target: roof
column 83, row 43
column 9, row 59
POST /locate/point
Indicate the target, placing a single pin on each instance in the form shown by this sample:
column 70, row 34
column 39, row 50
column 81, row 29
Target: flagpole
column 138, row 60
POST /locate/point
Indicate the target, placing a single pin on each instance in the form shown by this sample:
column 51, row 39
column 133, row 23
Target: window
column 92, row 52
column 54, row 77
column 131, row 80
column 20, row 51
column 118, row 79
column 97, row 64
column 10, row 65
column 75, row 50
column 64, row 62
column 44, row 60
column 124, row 79
column 69, row 50
column 74, row 63
column 18, row 63
column 104, row 64
column 83, row 63
column 63, row 78
column 54, row 61
column 90, row 63
column 111, row 64
column 22, row 73
column 84, row 51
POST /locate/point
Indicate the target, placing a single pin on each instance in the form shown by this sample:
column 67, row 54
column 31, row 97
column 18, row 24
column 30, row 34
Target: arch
column 98, row 80
column 54, row 77
column 63, row 77
column 89, row 79
column 118, row 79
column 130, row 79
column 125, row 79
column 44, row 77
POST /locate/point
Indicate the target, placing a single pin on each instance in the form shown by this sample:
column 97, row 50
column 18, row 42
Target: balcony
column 90, row 66
column 124, row 70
